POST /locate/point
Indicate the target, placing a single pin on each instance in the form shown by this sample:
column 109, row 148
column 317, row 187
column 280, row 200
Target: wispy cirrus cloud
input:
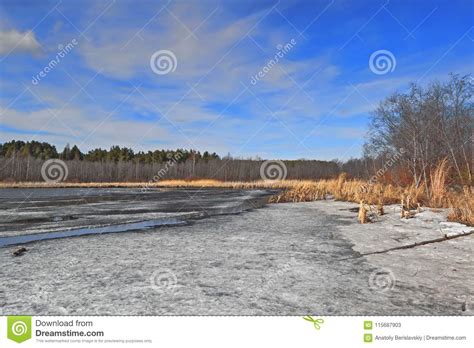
column 14, row 41
column 314, row 102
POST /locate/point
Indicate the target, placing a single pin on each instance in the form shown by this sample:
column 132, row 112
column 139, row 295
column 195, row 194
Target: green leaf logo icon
column 19, row 328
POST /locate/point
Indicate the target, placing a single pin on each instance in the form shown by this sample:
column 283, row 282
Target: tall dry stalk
column 338, row 191
column 438, row 184
column 362, row 213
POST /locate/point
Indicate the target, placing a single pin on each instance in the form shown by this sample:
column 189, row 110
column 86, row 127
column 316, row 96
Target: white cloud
column 305, row 92
column 339, row 132
column 74, row 126
column 15, row 41
column 124, row 52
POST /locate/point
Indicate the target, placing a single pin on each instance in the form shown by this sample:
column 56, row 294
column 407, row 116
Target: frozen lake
column 225, row 253
column 33, row 214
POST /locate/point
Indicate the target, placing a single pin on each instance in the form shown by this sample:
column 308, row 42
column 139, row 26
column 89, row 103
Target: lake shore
column 289, row 258
column 437, row 194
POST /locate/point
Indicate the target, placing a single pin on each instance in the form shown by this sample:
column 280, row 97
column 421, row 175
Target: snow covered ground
column 291, row 258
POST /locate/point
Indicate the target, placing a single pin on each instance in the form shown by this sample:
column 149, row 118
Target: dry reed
column 376, row 194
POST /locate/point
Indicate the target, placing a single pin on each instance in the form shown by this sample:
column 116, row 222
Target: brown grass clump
column 462, row 207
column 406, row 208
column 380, row 210
column 339, row 191
column 438, row 184
column 362, row 213
column 413, row 196
column 301, row 192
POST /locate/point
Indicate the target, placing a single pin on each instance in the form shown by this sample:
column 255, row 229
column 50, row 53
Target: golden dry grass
column 438, row 183
column 461, row 204
column 462, row 207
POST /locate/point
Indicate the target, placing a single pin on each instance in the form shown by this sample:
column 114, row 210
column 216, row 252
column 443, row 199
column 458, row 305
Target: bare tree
column 429, row 124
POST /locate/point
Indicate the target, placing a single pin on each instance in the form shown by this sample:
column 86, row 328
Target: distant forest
column 22, row 161
column 46, row 151
column 409, row 134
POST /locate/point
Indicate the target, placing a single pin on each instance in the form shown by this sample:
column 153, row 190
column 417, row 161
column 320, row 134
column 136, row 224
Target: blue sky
column 314, row 102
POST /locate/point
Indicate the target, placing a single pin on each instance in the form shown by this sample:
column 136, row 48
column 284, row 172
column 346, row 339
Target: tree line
column 45, row 151
column 173, row 165
column 409, row 134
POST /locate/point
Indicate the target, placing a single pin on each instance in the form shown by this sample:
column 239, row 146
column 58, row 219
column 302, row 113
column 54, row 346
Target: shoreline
column 293, row 258
column 460, row 203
